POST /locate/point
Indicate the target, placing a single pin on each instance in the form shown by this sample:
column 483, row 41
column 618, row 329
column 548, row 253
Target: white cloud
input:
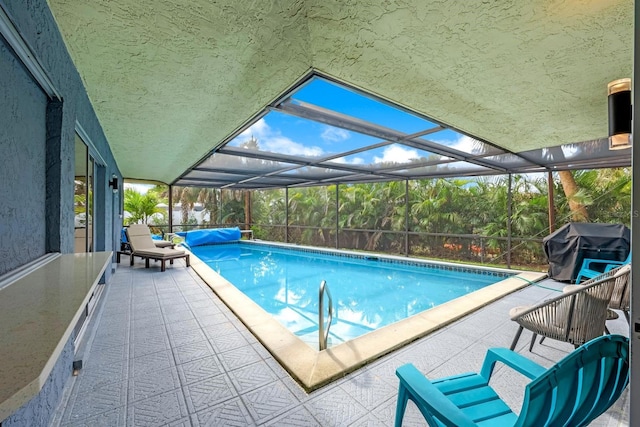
column 354, row 161
column 465, row 144
column 332, row 134
column 284, row 145
column 397, row 154
column 258, row 129
column 272, row 140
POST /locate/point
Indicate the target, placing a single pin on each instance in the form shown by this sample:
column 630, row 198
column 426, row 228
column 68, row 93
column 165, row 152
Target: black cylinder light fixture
column 619, row 93
column 113, row 183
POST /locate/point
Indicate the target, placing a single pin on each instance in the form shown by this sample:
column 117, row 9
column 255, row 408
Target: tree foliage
column 140, row 206
column 453, row 218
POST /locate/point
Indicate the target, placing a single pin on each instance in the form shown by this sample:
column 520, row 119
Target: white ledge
column 38, row 312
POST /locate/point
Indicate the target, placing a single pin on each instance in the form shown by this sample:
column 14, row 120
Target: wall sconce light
column 619, row 93
column 114, row 183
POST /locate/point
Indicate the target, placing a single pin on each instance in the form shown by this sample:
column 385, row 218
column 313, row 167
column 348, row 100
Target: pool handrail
column 323, row 335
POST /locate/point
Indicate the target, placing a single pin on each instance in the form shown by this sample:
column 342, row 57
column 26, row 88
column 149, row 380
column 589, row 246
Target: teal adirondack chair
column 590, row 269
column 573, row 392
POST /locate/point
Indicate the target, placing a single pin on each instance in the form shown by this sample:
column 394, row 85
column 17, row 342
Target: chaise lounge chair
column 142, row 245
column 144, row 228
column 125, row 247
column 573, row 392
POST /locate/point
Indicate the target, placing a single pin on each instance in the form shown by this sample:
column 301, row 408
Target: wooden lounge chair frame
column 125, row 246
column 162, row 257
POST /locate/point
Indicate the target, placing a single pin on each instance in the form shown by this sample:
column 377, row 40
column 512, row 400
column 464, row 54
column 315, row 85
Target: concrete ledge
column 38, row 313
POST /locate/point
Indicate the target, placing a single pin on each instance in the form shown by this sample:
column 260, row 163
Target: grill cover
column 569, row 245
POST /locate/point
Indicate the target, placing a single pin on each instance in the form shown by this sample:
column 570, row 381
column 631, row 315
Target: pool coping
column 313, row 369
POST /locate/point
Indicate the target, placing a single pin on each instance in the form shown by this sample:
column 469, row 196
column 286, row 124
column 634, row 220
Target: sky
column 286, row 134
column 140, row 188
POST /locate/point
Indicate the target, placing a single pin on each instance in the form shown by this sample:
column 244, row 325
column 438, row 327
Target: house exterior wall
column 23, row 171
column 37, row 147
column 37, row 152
column 39, row 410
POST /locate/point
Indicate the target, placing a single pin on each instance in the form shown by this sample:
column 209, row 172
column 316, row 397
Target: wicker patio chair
column 621, row 296
column 576, row 316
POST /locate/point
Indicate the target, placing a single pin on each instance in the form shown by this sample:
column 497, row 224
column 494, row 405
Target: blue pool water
column 367, row 293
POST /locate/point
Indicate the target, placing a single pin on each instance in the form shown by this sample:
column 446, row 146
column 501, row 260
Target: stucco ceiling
column 172, row 79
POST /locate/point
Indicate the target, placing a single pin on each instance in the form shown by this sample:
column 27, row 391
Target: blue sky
column 286, row 134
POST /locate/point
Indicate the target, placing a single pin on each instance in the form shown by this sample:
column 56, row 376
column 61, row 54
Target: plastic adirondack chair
column 573, row 392
column 589, row 268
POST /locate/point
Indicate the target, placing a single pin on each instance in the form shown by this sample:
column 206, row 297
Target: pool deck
column 163, row 349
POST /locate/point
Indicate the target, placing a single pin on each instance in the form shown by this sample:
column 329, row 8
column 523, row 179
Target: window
column 83, row 197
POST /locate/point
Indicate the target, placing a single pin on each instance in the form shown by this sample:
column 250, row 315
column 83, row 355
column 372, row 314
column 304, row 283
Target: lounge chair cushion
column 142, row 235
column 160, row 253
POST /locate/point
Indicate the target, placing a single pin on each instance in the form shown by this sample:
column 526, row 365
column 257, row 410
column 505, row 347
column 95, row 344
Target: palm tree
column 268, row 214
column 572, row 193
column 312, row 207
column 250, row 144
column 209, row 197
column 607, row 194
column 140, row 206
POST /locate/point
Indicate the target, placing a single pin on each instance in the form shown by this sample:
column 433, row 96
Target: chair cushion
column 160, row 253
column 515, row 311
column 163, row 243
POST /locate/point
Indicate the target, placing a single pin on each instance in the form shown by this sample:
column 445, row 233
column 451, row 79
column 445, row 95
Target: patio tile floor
column 163, row 350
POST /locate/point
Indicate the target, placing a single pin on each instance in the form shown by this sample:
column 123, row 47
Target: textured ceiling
column 171, row 79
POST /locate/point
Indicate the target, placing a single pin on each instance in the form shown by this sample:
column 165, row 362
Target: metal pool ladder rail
column 323, row 334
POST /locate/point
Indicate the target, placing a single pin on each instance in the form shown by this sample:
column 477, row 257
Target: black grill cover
column 570, row 244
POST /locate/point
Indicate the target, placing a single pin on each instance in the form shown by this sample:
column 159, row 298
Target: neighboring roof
column 173, row 80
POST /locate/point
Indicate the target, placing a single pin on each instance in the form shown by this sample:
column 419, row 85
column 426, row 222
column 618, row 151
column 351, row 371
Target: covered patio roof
column 175, row 81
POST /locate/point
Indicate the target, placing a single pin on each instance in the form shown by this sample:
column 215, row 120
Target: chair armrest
column 613, row 265
column 516, row 361
column 586, row 263
column 428, row 397
column 570, row 288
column 567, row 292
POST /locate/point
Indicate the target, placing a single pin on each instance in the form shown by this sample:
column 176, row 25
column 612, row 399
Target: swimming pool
column 367, row 292
column 312, row 368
